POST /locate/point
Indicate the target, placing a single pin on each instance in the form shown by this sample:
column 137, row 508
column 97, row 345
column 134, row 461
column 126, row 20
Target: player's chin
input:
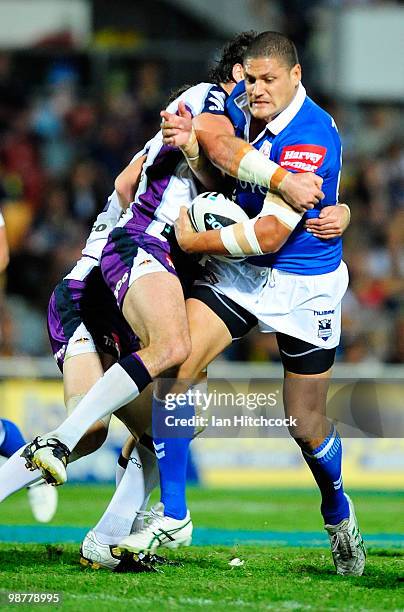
column 260, row 110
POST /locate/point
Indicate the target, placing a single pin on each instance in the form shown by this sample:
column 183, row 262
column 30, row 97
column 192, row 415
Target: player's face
column 270, row 86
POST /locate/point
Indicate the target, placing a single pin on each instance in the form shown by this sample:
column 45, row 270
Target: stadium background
column 81, row 86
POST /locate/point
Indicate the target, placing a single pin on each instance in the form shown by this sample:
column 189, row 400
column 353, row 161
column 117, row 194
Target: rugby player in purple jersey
column 137, row 265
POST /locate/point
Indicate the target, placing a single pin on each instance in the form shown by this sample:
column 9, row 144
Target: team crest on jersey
column 265, row 148
column 216, row 100
column 324, row 329
column 302, row 158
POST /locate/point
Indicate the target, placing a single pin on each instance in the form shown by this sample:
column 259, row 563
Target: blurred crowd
column 62, row 142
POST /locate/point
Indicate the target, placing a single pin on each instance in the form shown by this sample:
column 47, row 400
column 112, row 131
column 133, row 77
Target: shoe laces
column 152, row 517
column 341, row 545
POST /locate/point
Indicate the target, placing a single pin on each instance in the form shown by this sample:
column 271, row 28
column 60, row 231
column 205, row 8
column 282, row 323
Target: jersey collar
column 285, row 117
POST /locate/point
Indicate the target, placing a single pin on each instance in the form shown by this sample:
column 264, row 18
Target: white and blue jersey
column 302, row 138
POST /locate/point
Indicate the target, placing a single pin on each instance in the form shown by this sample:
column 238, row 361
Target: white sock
column 118, row 518
column 15, row 476
column 112, row 391
column 119, row 472
column 151, row 480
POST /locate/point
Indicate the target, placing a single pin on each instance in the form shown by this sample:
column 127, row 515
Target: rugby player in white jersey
column 277, row 117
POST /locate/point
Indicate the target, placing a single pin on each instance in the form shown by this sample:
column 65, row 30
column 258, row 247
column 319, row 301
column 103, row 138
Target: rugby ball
column 212, row 210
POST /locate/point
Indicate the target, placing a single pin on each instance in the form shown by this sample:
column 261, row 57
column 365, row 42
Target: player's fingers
column 182, row 110
column 320, row 222
column 170, row 131
column 328, row 227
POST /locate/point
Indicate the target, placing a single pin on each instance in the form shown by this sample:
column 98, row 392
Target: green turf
column 271, row 578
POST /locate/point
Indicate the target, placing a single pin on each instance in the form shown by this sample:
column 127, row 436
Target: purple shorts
column 83, row 317
column 131, row 253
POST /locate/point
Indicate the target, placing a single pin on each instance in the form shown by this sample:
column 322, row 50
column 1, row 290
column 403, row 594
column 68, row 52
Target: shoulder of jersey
column 201, row 96
column 315, row 116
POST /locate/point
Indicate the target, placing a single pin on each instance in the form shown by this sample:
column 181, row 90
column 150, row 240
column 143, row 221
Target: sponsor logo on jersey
column 119, row 284
column 302, row 158
column 112, row 343
column 145, row 261
column 60, row 353
column 321, row 313
column 324, row 329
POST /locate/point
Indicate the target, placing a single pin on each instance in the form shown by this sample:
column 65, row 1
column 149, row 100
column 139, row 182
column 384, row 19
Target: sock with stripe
column 325, row 464
column 171, row 446
column 122, row 383
column 10, row 438
column 120, row 468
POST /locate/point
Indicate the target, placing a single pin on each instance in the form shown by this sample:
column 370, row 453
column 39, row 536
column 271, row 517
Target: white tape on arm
column 2, row 224
column 255, row 168
column 274, row 205
column 240, row 239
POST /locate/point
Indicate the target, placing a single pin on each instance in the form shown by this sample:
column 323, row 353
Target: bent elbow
column 119, row 184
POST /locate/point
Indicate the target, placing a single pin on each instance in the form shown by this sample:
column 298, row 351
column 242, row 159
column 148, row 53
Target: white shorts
column 304, row 307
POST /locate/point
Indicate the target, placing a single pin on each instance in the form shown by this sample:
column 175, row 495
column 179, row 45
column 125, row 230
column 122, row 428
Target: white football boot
column 50, row 456
column 43, row 500
column 159, row 531
column 94, row 554
column 347, row 546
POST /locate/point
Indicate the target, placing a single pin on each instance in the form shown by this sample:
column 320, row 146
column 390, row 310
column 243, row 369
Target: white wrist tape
column 276, row 206
column 2, row 224
column 240, row 239
column 255, row 168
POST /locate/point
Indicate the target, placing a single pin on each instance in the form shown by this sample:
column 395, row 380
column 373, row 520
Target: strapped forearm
column 206, row 173
column 239, row 159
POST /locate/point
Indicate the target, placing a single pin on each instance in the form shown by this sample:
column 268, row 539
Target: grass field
column 272, row 577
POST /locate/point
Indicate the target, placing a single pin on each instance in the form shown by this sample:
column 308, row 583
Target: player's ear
column 237, row 73
column 296, row 74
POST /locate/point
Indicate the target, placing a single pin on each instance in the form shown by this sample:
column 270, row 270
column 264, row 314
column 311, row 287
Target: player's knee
column 176, row 351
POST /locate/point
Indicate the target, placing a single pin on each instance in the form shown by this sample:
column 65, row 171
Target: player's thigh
column 209, row 337
column 155, row 309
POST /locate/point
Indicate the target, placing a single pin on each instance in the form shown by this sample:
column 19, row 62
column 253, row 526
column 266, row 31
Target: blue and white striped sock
column 325, row 464
column 171, row 445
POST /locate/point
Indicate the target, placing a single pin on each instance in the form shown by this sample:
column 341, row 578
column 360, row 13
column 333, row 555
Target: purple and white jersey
column 166, row 182
column 104, row 223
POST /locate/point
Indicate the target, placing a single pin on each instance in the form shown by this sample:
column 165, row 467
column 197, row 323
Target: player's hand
column 184, row 232
column 176, row 128
column 302, row 190
column 332, row 222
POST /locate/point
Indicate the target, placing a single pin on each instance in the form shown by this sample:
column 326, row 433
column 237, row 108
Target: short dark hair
column 273, row 44
column 232, row 53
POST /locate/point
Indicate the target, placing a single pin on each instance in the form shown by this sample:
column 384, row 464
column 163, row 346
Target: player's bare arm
column 184, row 136
column 215, row 133
column 265, row 233
column 127, row 182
